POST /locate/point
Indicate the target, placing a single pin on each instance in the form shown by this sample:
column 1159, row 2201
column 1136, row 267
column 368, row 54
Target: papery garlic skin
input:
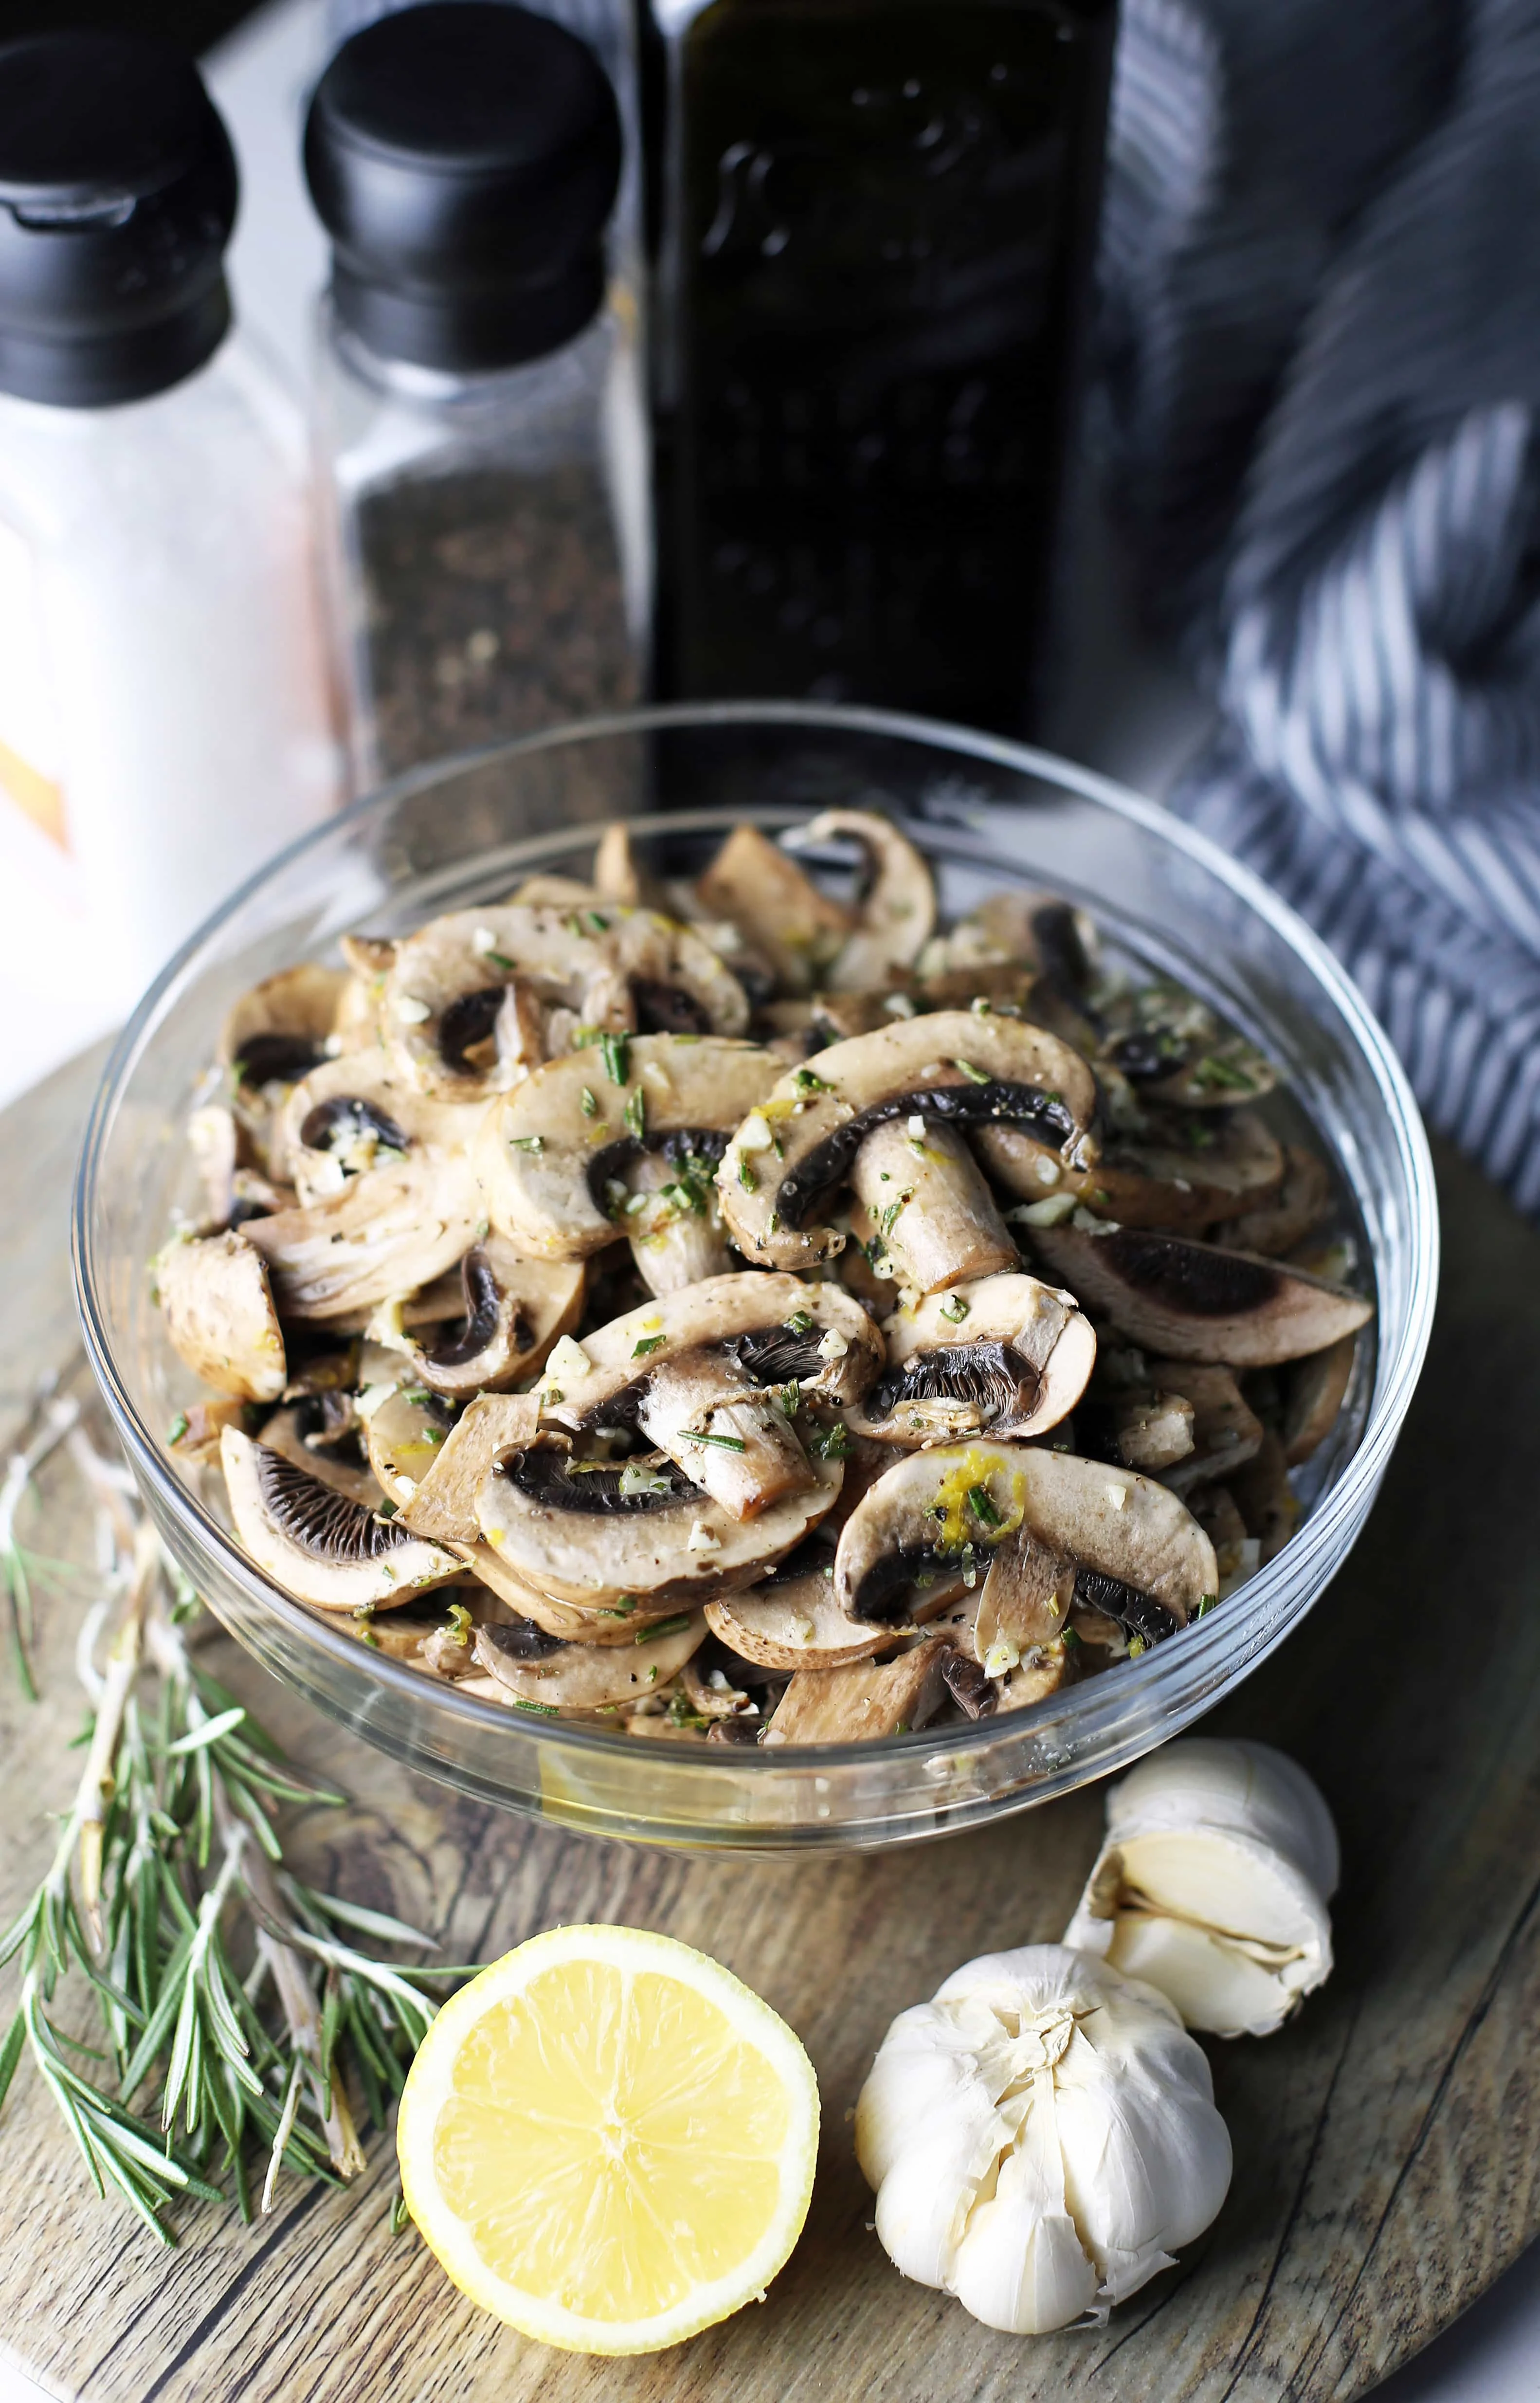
column 1212, row 1883
column 1042, row 2136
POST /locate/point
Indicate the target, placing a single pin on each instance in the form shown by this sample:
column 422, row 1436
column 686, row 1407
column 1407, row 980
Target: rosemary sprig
column 242, row 2017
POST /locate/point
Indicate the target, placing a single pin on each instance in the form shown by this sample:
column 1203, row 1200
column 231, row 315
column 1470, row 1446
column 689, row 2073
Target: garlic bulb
column 1041, row 2137
column 1213, row 1884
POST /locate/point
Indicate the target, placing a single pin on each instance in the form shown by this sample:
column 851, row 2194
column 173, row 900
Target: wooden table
column 1387, row 2166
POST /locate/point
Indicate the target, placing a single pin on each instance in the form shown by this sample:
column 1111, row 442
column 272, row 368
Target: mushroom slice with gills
column 1184, row 1172
column 716, row 1683
column 1139, row 1554
column 936, row 1217
column 672, row 1221
column 1172, row 1048
column 620, row 970
column 553, row 1156
column 731, row 1437
column 388, row 1232
column 278, row 1032
column 633, row 1533
column 1302, row 1202
column 512, row 1311
column 895, row 913
column 1025, row 1603
column 1225, row 1430
column 217, row 1297
column 792, row 1621
column 784, row 1170
column 350, row 1115
column 1140, row 1429
column 292, row 1431
column 1008, row 1357
column 1266, row 1499
column 317, row 1543
column 860, row 1701
column 758, row 888
column 1198, row 1301
column 576, row 1680
column 1316, row 1390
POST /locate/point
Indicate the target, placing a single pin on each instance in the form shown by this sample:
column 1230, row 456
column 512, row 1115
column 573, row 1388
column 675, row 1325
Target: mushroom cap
column 598, row 1624
column 544, row 1155
column 575, row 1539
column 277, row 1031
column 316, row 1543
column 576, row 1680
column 616, row 966
column 357, row 1104
column 1118, row 1527
column 1182, row 1173
column 388, row 1231
column 1315, row 1394
column 1197, row 1302
column 897, row 915
column 951, row 1067
column 1226, row 1431
column 1005, row 1355
column 758, row 888
column 217, row 1297
column 776, row 1328
column 860, row 1701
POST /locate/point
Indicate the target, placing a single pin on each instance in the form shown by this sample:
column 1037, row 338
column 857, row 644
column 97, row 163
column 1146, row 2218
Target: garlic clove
column 1212, row 1884
column 1022, row 2266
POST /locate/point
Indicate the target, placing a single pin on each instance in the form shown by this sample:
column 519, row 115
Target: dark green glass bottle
column 873, row 228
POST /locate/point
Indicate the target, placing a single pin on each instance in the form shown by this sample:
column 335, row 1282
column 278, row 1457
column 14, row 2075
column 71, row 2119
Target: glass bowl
column 987, row 813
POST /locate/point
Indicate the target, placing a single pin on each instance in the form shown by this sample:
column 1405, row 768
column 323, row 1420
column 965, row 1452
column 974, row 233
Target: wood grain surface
column 1386, row 2162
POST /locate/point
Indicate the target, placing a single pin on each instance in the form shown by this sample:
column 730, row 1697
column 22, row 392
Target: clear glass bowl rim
column 1397, row 1368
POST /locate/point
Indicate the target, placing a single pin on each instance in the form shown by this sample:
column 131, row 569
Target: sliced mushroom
column 785, row 1165
column 1172, row 1048
column 1025, row 1604
column 618, row 875
column 936, row 1217
column 731, row 1437
column 861, row 1700
column 715, row 1683
column 896, row 912
column 511, row 1310
column 353, row 1114
column 293, row 1432
column 792, row 1621
column 277, row 1032
column 1303, row 1202
column 1225, row 1432
column 1142, row 1428
column 1196, row 1301
column 619, row 969
column 1008, row 1357
column 388, row 1232
column 599, row 1533
column 416, row 1443
column 316, row 1543
column 1236, row 1555
column 1317, row 1389
column 1139, row 1554
column 615, row 1621
column 214, row 1141
column 672, row 1221
column 553, row 1156
column 773, row 1328
column 1183, row 1171
column 753, row 883
column 576, row 1680
column 217, row 1297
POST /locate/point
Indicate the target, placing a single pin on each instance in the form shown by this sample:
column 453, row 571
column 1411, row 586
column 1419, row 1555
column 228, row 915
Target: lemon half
column 609, row 2140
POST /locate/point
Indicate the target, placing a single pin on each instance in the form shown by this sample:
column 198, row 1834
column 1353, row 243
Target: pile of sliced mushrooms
column 734, row 1311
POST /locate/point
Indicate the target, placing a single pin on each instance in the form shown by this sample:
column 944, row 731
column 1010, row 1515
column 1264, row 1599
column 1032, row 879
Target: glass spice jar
column 477, row 405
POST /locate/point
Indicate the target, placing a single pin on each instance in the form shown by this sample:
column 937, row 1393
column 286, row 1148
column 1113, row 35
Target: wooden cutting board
column 1386, row 2157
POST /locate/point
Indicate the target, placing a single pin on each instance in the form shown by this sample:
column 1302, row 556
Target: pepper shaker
column 477, row 408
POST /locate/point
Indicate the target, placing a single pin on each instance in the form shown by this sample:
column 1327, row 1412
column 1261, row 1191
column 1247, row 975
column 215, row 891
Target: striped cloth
column 1321, row 263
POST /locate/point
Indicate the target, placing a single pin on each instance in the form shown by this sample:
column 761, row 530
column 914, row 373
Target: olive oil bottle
column 872, row 231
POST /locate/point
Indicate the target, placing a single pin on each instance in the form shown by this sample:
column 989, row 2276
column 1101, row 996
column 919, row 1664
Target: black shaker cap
column 464, row 157
column 117, row 194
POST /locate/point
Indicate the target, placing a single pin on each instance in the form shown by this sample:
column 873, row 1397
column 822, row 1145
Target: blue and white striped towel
column 1320, row 264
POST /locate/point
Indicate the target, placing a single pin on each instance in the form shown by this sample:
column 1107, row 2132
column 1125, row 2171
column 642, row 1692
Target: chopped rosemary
column 981, row 1503
column 975, row 1075
column 663, row 1627
column 746, row 1176
column 541, row 1709
column 623, row 1607
column 954, row 1308
column 526, row 1143
column 636, row 1113
column 501, row 960
column 177, row 1428
column 830, row 1442
column 591, row 1107
column 645, row 1343
column 1206, row 1603
column 800, row 1322
column 616, row 1054
column 723, row 1442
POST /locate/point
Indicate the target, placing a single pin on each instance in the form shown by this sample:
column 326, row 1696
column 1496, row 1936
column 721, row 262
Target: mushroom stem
column 729, row 1437
column 673, row 1244
column 932, row 1208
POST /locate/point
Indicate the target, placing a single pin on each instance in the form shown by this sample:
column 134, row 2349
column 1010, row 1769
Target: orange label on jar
column 39, row 796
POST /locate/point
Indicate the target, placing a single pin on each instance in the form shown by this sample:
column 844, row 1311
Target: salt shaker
column 477, row 409
column 165, row 718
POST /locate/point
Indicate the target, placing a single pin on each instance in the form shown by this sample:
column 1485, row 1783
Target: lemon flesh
column 608, row 2140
